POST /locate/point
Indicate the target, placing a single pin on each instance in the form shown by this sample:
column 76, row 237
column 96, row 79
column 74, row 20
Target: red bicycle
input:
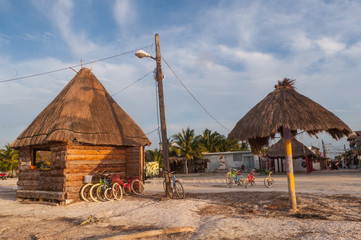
column 127, row 185
column 250, row 180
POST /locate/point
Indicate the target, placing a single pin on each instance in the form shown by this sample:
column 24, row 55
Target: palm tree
column 9, row 159
column 211, row 141
column 229, row 145
column 188, row 145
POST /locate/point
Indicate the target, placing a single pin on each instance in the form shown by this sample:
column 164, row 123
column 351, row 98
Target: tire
column 100, row 191
column 117, row 191
column 229, row 180
column 179, row 190
column 165, row 187
column 93, row 192
column 137, row 187
column 246, row 184
column 108, row 194
column 85, row 192
column 268, row 183
column 126, row 190
column 253, row 182
column 241, row 182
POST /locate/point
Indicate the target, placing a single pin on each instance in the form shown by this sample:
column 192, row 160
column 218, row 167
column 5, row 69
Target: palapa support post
column 290, row 175
column 159, row 78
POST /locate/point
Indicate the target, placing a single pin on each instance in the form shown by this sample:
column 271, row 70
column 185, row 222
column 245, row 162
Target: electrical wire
column 131, row 84
column 200, row 104
column 152, row 131
column 63, row 69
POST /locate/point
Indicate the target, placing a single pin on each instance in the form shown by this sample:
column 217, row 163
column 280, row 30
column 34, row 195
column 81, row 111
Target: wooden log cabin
column 81, row 131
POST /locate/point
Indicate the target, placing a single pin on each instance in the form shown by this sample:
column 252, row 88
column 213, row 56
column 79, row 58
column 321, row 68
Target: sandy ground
column 329, row 208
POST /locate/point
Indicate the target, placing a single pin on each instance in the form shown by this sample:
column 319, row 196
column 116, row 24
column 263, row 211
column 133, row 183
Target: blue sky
column 230, row 54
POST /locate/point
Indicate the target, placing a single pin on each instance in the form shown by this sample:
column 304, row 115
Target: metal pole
column 159, row 77
column 290, row 175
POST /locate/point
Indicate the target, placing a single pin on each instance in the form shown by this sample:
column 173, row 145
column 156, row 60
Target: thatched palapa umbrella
column 285, row 111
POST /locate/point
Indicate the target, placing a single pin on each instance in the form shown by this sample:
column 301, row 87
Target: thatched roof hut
column 299, row 150
column 84, row 131
column 286, row 107
column 83, row 112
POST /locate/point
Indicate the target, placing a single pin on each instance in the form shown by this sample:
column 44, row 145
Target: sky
column 229, row 54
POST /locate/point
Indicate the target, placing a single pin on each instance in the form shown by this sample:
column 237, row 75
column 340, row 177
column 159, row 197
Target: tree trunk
column 186, row 166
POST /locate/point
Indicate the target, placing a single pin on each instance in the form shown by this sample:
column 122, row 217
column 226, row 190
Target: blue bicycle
column 234, row 176
column 176, row 186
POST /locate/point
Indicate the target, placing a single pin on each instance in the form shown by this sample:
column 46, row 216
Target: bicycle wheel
column 101, row 193
column 93, row 192
column 85, row 192
column 117, row 191
column 268, row 182
column 253, row 182
column 137, row 187
column 246, row 184
column 229, row 180
column 179, row 190
column 164, row 186
column 108, row 194
column 241, row 182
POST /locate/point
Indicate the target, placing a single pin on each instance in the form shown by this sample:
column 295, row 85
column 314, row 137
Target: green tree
column 211, row 141
column 9, row 159
column 228, row 145
column 188, row 146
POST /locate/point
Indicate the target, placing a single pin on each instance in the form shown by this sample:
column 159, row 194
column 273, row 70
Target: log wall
column 69, row 165
column 40, row 184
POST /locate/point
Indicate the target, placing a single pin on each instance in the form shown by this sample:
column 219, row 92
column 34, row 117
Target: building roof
column 277, row 150
column 83, row 112
column 285, row 107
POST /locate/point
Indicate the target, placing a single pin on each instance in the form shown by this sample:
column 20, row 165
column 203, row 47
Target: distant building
column 226, row 160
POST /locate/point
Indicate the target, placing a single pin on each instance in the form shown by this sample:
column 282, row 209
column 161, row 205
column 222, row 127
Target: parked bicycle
column 176, row 186
column 268, row 181
column 102, row 190
column 250, row 180
column 234, row 176
column 85, row 189
column 127, row 185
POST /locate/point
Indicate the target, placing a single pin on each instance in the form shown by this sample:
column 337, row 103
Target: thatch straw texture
column 299, row 150
column 83, row 112
column 286, row 107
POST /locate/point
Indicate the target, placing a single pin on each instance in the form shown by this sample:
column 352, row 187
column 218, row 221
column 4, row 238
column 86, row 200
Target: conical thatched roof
column 286, row 107
column 299, row 150
column 83, row 112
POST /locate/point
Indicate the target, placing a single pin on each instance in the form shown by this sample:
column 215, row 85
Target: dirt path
column 220, row 213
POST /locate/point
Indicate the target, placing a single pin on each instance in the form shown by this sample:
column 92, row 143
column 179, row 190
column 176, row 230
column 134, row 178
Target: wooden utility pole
column 290, row 174
column 159, row 78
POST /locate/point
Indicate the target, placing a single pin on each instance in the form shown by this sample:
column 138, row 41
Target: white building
column 227, row 160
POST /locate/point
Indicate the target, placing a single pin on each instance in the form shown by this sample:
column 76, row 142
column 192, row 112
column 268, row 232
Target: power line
column 63, row 69
column 152, row 131
column 195, row 97
column 132, row 83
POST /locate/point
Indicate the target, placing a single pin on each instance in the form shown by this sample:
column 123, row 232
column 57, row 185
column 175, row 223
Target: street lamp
column 159, row 78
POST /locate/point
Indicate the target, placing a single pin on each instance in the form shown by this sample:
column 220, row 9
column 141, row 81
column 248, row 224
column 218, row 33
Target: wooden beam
column 152, row 233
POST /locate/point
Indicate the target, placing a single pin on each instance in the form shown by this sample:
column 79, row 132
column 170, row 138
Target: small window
column 41, row 159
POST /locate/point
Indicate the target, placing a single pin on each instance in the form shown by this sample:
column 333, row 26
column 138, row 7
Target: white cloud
column 330, row 46
column 123, row 12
